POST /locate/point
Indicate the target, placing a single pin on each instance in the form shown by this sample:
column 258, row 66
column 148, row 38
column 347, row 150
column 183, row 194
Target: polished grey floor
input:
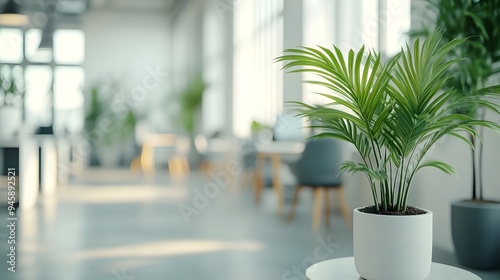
column 115, row 225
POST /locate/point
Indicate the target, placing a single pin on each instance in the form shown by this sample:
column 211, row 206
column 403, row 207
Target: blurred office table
column 344, row 269
column 215, row 151
column 30, row 163
column 177, row 164
column 274, row 150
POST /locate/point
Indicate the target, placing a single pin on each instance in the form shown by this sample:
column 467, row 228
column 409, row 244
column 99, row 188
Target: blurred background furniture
column 274, row 151
column 248, row 154
column 177, row 163
column 215, row 151
column 316, row 169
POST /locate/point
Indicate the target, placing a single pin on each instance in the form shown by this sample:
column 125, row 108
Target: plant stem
column 374, row 193
column 374, row 190
column 480, row 159
column 408, row 183
column 401, row 182
column 473, row 141
column 480, row 170
column 388, row 181
column 372, row 184
column 396, row 183
column 383, row 191
column 383, row 195
column 391, row 183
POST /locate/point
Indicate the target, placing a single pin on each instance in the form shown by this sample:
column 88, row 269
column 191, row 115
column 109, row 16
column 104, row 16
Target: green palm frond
column 392, row 112
column 354, row 167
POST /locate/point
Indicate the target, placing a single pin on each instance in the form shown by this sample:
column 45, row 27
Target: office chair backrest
column 318, row 165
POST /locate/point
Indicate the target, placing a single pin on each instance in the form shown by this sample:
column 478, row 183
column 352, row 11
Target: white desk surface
column 344, row 269
column 281, row 148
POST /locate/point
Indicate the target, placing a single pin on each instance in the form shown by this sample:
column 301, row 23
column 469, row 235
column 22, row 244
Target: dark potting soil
column 391, row 211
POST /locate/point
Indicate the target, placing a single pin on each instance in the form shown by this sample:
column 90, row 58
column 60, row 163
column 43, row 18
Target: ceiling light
column 47, row 41
column 10, row 15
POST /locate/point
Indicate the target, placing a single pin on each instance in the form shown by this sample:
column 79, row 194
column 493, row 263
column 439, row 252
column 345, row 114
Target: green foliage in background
column 393, row 113
column 11, row 87
column 256, row 126
column 190, row 100
column 109, row 119
column 479, row 56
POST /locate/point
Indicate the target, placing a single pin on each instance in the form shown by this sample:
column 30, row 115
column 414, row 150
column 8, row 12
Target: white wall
column 131, row 47
column 217, row 68
column 187, row 44
column 187, row 49
column 292, row 38
column 128, row 45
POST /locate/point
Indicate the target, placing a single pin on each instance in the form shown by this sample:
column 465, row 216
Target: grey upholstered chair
column 317, row 169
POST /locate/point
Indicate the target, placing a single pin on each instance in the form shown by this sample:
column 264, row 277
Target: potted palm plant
column 109, row 123
column 476, row 218
column 393, row 113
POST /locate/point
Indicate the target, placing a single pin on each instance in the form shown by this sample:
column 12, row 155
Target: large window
column 380, row 25
column 319, row 30
column 53, row 77
column 258, row 37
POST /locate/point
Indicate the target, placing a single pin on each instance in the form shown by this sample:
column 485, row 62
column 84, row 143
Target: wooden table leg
column 147, row 160
column 276, row 161
column 327, row 207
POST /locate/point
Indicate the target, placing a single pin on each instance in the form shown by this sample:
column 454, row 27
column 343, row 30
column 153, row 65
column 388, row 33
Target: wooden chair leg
column 343, row 206
column 135, row 164
column 317, row 208
column 178, row 165
column 327, row 207
column 295, row 199
column 173, row 166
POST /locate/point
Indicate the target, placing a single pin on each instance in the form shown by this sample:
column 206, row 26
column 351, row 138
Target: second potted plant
column 393, row 113
column 475, row 221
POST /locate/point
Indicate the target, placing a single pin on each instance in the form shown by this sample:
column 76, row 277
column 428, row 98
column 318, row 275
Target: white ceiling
column 79, row 6
column 145, row 5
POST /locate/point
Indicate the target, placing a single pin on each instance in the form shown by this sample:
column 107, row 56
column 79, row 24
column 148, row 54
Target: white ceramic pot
column 392, row 247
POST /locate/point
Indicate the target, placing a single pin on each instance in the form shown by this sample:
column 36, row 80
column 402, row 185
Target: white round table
column 344, row 269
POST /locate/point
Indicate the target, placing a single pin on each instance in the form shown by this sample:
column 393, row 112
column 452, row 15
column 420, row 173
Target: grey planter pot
column 476, row 234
